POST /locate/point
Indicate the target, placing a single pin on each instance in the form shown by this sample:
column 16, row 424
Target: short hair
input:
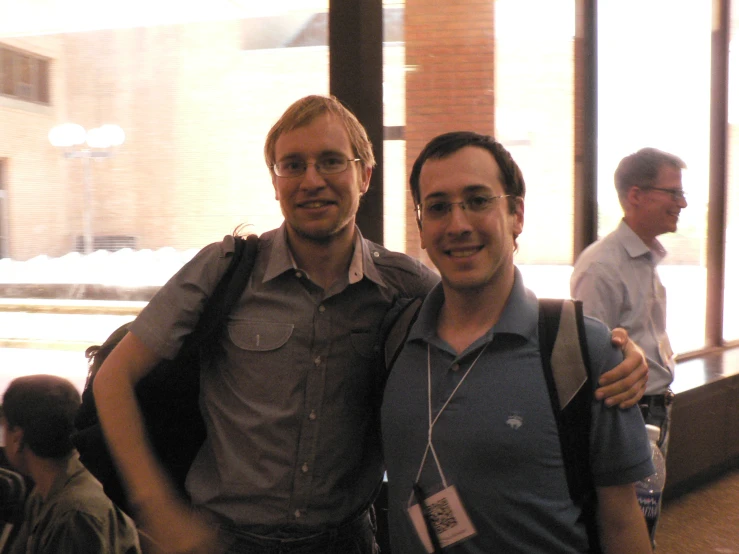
column 448, row 143
column 304, row 111
column 641, row 169
column 43, row 406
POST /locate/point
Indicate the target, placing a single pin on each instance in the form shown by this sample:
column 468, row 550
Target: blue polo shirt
column 497, row 438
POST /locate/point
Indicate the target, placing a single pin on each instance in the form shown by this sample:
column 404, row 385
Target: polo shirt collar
column 519, row 316
column 635, row 246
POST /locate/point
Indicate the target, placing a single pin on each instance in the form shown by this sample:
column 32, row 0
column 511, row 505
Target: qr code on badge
column 441, row 516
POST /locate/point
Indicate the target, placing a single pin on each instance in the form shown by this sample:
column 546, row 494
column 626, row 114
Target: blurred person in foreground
column 292, row 458
column 470, row 437
column 67, row 511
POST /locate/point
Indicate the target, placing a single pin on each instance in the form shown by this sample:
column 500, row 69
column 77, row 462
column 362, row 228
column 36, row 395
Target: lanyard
column 432, row 420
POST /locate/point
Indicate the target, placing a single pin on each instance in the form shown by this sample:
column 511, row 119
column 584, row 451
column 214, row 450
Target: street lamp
column 87, row 145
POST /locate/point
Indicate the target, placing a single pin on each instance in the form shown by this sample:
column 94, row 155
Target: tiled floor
column 704, row 521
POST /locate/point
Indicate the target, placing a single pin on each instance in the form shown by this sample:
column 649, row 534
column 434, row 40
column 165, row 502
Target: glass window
column 395, row 179
column 8, row 79
column 731, row 249
column 654, row 90
column 195, row 94
column 534, row 114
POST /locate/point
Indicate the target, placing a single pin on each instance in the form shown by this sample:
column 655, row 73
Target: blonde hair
column 304, row 111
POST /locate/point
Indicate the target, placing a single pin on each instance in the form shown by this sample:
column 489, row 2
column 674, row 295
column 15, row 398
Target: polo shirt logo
column 514, row 421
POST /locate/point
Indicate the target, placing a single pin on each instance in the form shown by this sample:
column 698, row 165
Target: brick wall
column 449, row 85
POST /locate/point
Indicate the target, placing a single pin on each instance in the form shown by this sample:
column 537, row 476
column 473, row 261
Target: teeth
column 462, row 253
column 314, row 204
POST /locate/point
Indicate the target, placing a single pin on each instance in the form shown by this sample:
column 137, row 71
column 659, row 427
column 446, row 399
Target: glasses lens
column 289, row 168
column 331, row 165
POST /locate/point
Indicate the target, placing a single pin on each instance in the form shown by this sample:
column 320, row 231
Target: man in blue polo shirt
column 470, row 438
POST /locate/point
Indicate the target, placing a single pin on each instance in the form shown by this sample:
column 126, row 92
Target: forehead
column 669, row 177
column 325, row 133
column 469, row 168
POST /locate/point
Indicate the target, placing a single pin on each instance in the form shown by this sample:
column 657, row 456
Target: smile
column 463, row 252
column 315, row 204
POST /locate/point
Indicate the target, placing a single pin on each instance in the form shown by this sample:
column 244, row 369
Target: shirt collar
column 519, row 316
column 73, row 468
column 361, row 264
column 635, row 246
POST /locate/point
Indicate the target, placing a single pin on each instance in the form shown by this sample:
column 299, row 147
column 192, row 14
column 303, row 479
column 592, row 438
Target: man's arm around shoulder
column 159, row 510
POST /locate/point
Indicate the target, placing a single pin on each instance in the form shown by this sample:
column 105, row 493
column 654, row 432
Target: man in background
column 67, row 511
column 617, row 278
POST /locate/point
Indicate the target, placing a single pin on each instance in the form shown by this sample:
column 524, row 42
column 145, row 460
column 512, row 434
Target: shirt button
column 297, row 514
column 304, row 469
column 312, row 416
column 455, row 367
column 376, row 254
column 299, row 274
column 317, row 361
column 321, row 308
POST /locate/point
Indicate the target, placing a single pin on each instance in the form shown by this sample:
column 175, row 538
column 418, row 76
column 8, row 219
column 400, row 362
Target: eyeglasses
column 677, row 194
column 327, row 165
column 439, row 209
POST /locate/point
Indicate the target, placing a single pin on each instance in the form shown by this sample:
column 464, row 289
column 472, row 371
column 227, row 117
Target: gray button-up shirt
column 617, row 280
column 288, row 397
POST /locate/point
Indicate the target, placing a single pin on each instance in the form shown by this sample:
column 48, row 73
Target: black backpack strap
column 227, row 292
column 566, row 363
column 398, row 324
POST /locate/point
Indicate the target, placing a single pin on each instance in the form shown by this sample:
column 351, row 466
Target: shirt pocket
column 259, row 336
column 365, row 343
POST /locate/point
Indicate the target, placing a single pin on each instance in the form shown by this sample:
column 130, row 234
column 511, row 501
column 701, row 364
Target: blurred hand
column 172, row 527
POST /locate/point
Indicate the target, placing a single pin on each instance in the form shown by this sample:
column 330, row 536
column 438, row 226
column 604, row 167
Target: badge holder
column 440, row 520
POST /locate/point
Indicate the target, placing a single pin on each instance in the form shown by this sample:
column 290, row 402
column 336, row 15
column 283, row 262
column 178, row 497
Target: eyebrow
column 322, row 154
column 469, row 189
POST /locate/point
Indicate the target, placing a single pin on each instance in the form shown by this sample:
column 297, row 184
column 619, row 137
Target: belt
column 658, row 400
column 290, row 538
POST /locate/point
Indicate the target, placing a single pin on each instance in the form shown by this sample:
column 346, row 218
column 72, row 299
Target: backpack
column 168, row 395
column 566, row 364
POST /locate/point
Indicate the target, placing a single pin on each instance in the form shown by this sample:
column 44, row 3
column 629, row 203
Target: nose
column 311, row 178
column 458, row 219
column 682, row 202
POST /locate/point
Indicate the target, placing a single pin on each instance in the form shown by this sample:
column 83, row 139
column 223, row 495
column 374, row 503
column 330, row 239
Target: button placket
column 310, row 426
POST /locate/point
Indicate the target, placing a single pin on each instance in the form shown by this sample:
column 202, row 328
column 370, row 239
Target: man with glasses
column 470, row 437
column 292, row 459
column 617, row 279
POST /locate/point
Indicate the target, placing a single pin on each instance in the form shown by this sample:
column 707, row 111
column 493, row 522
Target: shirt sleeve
column 75, row 533
column 175, row 310
column 600, row 291
column 620, row 452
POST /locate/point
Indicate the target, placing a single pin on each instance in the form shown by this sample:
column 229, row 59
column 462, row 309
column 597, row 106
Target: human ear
column 364, row 187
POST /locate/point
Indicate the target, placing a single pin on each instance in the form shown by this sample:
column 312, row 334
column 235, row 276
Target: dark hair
column 641, row 169
column 449, row 143
column 43, row 406
column 97, row 354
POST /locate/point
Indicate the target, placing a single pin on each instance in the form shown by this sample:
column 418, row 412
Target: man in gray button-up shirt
column 617, row 279
column 292, row 459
